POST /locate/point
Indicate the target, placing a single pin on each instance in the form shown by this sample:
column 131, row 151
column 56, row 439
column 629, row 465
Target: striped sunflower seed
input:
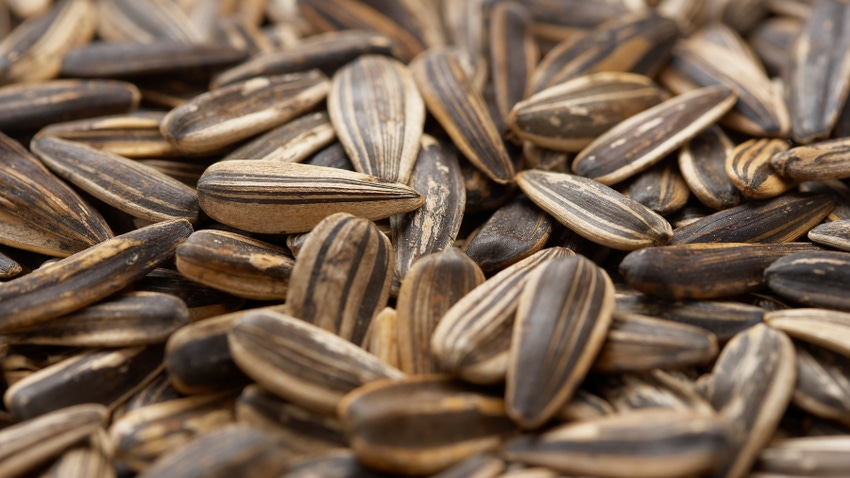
column 136, row 318
column 464, row 23
column 445, row 422
column 513, row 54
column 28, row 445
column 20, row 234
column 645, row 443
column 432, row 286
column 654, row 389
column 641, row 343
column 292, row 197
column 829, row 329
column 647, row 137
column 515, row 231
column 144, row 21
column 781, row 219
column 595, row 211
column 750, row 168
column 291, row 142
column 815, row 279
column 839, row 191
column 416, row 18
column 107, row 377
column 342, row 276
column 219, row 118
column 81, row 462
column 236, row 264
column 451, row 97
column 158, row 390
column 88, row 276
column 473, row 337
column 482, row 465
column 815, row 71
column 302, row 363
column 127, row 185
column 773, row 41
column 584, row 406
column 702, row 161
column 202, row 301
column 805, row 456
column 823, row 382
column 833, row 234
column 380, row 339
column 816, row 162
column 546, row 159
column 378, row 115
column 661, row 188
column 561, row 322
column 570, row 115
column 704, row 271
column 750, row 386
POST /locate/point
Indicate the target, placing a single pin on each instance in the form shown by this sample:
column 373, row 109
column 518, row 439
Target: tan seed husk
column 661, row 188
column 816, row 162
column 236, row 264
column 81, row 462
column 806, row 456
column 647, row 137
column 561, row 322
column 829, row 329
column 292, row 197
column 20, row 234
column 144, row 21
column 833, row 234
column 584, row 406
column 378, row 115
column 513, row 54
column 302, row 363
column 341, row 278
column 482, row 465
column 750, row 168
column 127, row 185
column 654, row 389
column 702, row 161
column 815, row 279
column 595, row 211
column 291, row 142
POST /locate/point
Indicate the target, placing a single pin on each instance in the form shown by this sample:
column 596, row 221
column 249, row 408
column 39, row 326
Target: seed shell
column 291, row 142
column 815, row 279
column 144, row 21
column 661, row 188
column 750, row 168
column 823, row 382
column 513, row 54
column 702, row 161
column 825, row 328
column 815, row 162
column 806, row 456
column 833, row 234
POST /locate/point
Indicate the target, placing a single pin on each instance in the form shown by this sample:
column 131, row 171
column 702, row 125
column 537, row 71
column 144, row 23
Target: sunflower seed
column 647, row 137
column 28, row 445
column 661, row 188
column 333, row 156
column 300, row 362
column 773, row 41
column 81, row 462
column 816, row 162
column 340, row 463
column 230, row 114
column 781, row 219
column 654, row 389
column 595, row 211
column 144, row 21
column 473, row 337
column 451, row 97
column 291, row 142
column 750, row 386
column 823, row 382
column 241, row 34
column 644, row 443
column 815, row 279
column 378, row 115
column 20, row 234
column 236, row 264
column 477, row 466
column 545, row 158
column 342, row 276
column 702, row 161
column 806, row 456
column 704, row 271
column 833, row 234
column 444, row 422
column 416, row 18
column 570, row 115
column 826, row 328
column 839, row 192
column 750, row 168
column 561, row 321
column 513, row 54
column 158, row 390
column 292, row 197
column 8, row 267
column 127, row 185
column 202, row 301
column 815, row 71
column 107, row 377
column 74, row 282
column 584, row 406
column 639, row 343
column 380, row 339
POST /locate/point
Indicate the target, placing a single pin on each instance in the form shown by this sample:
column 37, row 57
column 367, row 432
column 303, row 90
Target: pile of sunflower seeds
column 450, row 238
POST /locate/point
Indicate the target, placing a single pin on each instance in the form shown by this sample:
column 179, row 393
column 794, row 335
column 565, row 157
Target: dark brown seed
column 326, row 52
column 236, row 264
column 29, row 445
column 222, row 117
column 342, row 276
column 638, row 43
column 269, row 196
column 570, row 115
column 291, row 142
column 158, row 390
column 144, row 21
column 302, row 363
column 434, row 226
column 704, row 271
column 107, row 377
column 546, row 159
column 561, row 322
column 750, row 386
column 817, row 71
column 451, row 97
column 333, row 156
column 645, row 443
column 750, row 168
column 515, row 231
column 88, row 276
column 661, row 188
column 805, row 456
column 829, row 329
column 137, row 318
column 513, row 54
column 654, row 389
column 339, row 463
column 241, row 34
column 122, row 183
column 817, row 162
column 781, row 219
column 839, row 191
column 473, row 338
column 444, row 423
column 833, row 234
column 128, row 60
column 416, row 18
column 773, row 41
column 378, row 115
column 202, row 301
column 702, row 161
column 815, row 279
column 647, row 137
column 595, row 211
column 31, row 106
column 8, row 267
column 433, row 285
column 465, row 26
column 232, row 450
column 823, row 382
column 20, row 234
column 641, row 343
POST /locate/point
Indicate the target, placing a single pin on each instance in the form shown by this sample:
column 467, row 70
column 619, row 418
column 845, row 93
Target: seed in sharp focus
column 661, row 188
column 815, row 279
column 815, row 162
column 750, row 168
column 702, row 161
column 833, row 234
column 292, row 142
